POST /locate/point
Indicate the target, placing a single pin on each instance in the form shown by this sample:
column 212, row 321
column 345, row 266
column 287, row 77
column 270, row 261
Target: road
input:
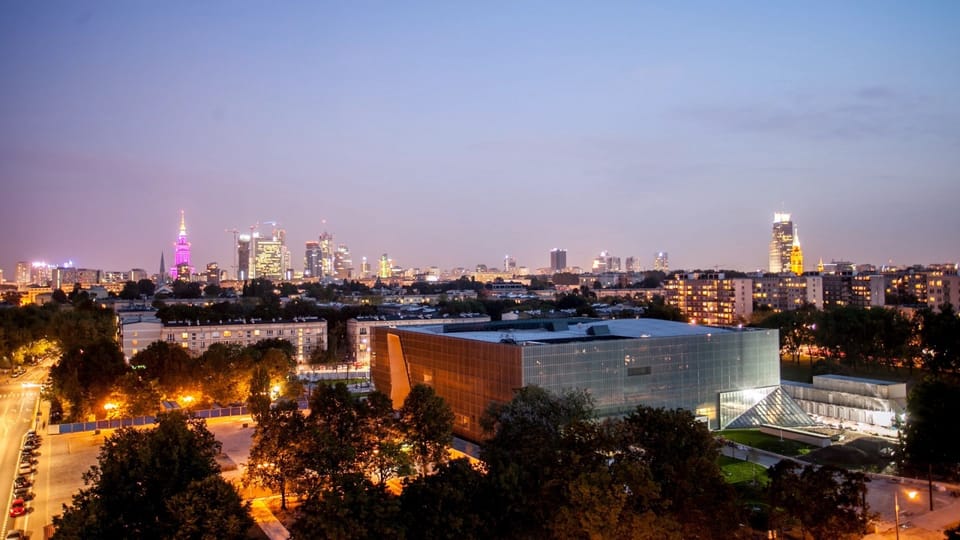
column 19, row 399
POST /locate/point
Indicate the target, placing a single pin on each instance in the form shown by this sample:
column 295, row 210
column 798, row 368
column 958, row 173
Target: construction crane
column 236, row 243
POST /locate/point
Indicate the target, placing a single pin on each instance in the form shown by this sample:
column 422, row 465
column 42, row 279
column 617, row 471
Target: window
column 227, row 333
column 641, row 370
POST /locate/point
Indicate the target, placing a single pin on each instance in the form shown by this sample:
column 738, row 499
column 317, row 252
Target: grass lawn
column 770, row 443
column 738, row 472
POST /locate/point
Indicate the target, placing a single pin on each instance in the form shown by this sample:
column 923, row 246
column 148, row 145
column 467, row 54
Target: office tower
column 509, row 264
column 606, row 263
column 181, row 257
column 212, row 274
column 270, row 256
column 342, row 263
column 558, row 259
column 384, row 267
column 326, row 253
column 23, row 273
column 661, row 263
column 796, row 255
column 312, row 267
column 244, row 242
column 781, row 243
column 40, row 274
column 364, row 268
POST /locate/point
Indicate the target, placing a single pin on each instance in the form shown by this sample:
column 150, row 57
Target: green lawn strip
column 770, row 443
column 736, row 471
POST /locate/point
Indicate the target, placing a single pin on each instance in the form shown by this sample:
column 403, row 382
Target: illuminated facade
column 181, row 257
column 853, row 290
column 269, row 257
column 137, row 332
column 661, row 262
column 312, row 267
column 720, row 374
column 22, row 275
column 786, row 292
column 711, row 299
column 360, row 330
column 781, row 243
column 244, row 252
column 796, row 256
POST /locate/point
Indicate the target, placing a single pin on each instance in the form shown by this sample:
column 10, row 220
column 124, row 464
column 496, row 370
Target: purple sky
column 454, row 133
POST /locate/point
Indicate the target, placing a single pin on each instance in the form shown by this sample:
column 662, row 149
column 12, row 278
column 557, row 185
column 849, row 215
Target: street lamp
column 912, row 494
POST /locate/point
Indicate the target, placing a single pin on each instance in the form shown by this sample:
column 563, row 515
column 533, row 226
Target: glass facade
column 689, row 370
column 686, row 372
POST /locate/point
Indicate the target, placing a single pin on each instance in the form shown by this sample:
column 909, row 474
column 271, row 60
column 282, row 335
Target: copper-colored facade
column 469, row 375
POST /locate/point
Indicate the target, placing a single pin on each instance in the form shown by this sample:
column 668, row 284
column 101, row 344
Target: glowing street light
column 912, row 494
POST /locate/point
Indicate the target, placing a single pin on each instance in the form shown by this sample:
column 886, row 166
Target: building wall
column 360, row 332
column 305, row 335
column 468, row 374
column 712, row 299
column 783, row 292
column 684, row 371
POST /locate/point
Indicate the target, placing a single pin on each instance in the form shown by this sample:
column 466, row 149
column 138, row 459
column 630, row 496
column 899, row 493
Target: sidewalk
column 267, row 521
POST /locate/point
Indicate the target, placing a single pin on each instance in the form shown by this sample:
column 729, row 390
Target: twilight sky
column 453, row 133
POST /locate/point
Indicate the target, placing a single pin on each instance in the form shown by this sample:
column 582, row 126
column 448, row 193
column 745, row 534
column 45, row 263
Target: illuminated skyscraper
column 23, row 273
column 796, row 255
column 243, row 256
column 661, row 263
column 781, row 243
column 342, row 263
column 312, row 267
column 558, row 259
column 271, row 260
column 326, row 254
column 181, row 256
column 385, row 271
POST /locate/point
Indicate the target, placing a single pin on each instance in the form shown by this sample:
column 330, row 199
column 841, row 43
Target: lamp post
column 896, row 507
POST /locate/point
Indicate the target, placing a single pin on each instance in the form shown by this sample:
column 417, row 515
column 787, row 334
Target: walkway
column 268, row 523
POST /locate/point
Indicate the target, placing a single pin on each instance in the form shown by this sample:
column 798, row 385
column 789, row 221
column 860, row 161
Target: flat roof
column 877, row 382
column 545, row 331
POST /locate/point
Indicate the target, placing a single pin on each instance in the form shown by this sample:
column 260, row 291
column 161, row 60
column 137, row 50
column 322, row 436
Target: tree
column 930, row 441
column 168, row 364
column 209, row 509
column 59, row 296
column 130, row 291
column 445, row 504
column 146, row 287
column 682, row 457
column 940, row 336
column 276, row 455
column 427, row 422
column 824, row 500
column 138, row 476
column 354, row 508
column 259, row 398
column 212, row 290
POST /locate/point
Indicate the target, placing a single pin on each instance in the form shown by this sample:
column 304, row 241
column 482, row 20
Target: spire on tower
column 183, row 225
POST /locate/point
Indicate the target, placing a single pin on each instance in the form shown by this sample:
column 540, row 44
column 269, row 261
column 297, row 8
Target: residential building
column 783, row 292
column 139, row 331
column 661, row 263
column 853, row 290
column 22, row 275
column 727, row 377
column 711, row 299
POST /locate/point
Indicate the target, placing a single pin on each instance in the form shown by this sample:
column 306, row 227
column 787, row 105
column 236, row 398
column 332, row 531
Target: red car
column 18, row 508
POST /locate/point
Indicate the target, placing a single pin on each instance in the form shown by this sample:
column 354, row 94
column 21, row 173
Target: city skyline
column 451, row 135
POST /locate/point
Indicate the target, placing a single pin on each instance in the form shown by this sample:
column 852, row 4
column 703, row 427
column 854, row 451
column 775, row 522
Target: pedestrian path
column 268, row 523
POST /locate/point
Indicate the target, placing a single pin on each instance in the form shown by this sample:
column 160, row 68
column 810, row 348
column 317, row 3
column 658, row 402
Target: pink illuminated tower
column 181, row 268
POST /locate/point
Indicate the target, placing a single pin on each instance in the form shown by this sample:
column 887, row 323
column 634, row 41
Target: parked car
column 22, row 481
column 24, row 493
column 18, row 508
column 16, row 534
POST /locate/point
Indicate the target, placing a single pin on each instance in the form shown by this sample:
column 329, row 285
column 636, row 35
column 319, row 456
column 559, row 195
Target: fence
column 79, row 427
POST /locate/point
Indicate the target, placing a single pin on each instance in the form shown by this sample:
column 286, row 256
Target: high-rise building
column 604, row 262
column 312, row 267
column 41, row 274
column 212, row 274
column 364, row 268
column 271, row 260
column 558, row 259
column 342, row 263
column 23, row 273
column 509, row 264
column 385, row 270
column 661, row 262
column 781, row 243
column 796, row 255
column 181, row 257
column 326, row 254
column 711, row 299
column 244, row 251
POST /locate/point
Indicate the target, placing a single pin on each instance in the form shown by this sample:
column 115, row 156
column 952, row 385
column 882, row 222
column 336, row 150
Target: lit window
column 226, row 333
